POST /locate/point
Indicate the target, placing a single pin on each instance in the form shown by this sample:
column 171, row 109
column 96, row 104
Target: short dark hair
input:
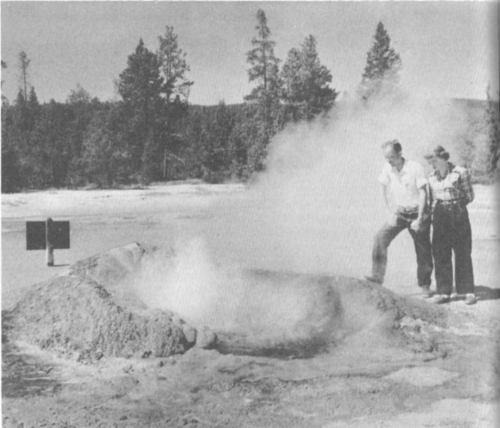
column 395, row 145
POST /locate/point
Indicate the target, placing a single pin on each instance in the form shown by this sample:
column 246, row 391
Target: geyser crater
column 135, row 302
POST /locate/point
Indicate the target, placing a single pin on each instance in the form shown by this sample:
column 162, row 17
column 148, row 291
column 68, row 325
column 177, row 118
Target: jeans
column 452, row 233
column 422, row 242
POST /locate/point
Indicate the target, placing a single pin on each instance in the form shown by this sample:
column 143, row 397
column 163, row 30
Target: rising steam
column 318, row 205
column 315, row 210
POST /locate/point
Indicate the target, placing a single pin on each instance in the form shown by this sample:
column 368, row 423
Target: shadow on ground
column 487, row 293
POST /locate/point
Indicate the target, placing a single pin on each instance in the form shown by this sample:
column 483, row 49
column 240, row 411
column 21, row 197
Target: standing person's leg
column 462, row 246
column 441, row 250
column 423, row 250
column 383, row 238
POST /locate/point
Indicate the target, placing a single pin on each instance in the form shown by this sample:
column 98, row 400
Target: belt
column 449, row 202
column 407, row 215
column 407, row 210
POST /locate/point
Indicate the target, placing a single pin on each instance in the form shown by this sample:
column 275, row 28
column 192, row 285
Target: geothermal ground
column 308, row 349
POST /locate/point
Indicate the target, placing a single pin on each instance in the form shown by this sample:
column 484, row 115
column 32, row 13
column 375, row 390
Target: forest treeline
column 153, row 133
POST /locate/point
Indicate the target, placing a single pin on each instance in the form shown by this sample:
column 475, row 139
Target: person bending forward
column 404, row 190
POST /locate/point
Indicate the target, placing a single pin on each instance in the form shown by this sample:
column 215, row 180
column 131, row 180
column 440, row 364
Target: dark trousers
column 452, row 233
column 422, row 242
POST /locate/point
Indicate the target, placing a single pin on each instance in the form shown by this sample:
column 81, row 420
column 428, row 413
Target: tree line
column 153, row 134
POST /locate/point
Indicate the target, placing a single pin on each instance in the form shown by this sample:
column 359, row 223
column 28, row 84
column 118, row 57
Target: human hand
column 416, row 224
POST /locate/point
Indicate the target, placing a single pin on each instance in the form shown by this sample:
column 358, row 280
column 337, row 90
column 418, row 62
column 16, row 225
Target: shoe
column 426, row 291
column 440, row 298
column 470, row 299
column 374, row 279
column 454, row 296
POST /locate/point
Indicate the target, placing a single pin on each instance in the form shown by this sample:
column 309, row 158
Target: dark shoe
column 440, row 298
column 426, row 291
column 374, row 279
column 470, row 299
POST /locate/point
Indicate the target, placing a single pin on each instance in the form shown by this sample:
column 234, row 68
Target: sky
column 448, row 49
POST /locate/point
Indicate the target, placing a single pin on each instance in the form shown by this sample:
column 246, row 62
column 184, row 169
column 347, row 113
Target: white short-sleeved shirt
column 404, row 184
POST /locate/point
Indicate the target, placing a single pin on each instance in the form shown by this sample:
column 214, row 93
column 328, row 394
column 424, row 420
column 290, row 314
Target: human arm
column 392, row 217
column 422, row 202
column 385, row 188
column 422, row 184
column 466, row 186
column 385, row 196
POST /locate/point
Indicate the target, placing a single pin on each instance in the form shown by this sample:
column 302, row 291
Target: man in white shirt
column 404, row 189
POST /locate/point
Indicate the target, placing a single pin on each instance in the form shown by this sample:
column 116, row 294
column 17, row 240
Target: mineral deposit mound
column 93, row 310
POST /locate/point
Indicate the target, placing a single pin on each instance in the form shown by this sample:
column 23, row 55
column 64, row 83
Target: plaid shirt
column 455, row 186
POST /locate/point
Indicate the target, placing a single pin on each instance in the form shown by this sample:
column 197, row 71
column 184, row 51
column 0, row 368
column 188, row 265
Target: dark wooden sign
column 59, row 235
column 37, row 235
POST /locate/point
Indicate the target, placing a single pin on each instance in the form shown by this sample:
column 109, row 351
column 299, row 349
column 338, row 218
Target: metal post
column 48, row 243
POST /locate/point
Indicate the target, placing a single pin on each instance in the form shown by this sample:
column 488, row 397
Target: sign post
column 48, row 242
column 47, row 235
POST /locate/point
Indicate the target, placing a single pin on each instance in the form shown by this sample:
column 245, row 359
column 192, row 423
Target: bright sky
column 447, row 48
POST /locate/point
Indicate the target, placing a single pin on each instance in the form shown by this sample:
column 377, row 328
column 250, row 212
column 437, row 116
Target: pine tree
column 382, row 65
column 140, row 86
column 173, row 67
column 176, row 89
column 306, row 89
column 291, row 75
column 24, row 63
column 264, row 70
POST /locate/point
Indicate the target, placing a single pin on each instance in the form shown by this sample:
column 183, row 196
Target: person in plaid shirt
column 450, row 192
